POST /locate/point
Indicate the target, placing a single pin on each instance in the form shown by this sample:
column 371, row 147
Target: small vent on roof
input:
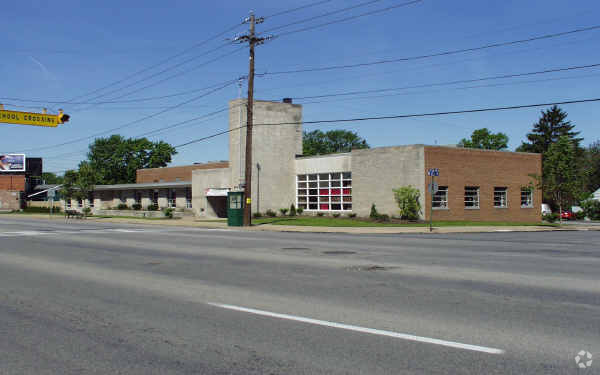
column 287, row 100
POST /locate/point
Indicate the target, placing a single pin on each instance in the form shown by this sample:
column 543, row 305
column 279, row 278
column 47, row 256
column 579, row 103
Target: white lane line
column 503, row 230
column 372, row 331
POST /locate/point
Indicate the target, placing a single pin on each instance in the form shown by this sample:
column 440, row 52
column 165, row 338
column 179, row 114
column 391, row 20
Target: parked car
column 546, row 209
column 567, row 215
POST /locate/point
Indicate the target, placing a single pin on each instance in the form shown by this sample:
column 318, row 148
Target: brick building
column 477, row 185
column 14, row 186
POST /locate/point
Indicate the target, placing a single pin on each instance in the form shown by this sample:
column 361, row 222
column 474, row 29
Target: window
column 324, row 191
column 172, row 198
column 137, row 196
column 526, row 198
column 154, row 196
column 440, row 198
column 188, row 198
column 79, row 202
column 471, row 196
column 500, row 197
column 91, row 199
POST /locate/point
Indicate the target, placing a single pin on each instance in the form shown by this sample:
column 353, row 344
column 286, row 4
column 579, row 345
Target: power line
column 381, row 10
column 445, row 53
column 159, row 63
column 172, row 76
column 320, row 16
column 298, row 8
column 135, row 121
column 503, row 76
column 430, row 114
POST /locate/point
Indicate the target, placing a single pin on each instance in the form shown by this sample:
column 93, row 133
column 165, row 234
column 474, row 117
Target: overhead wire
column 375, row 118
column 310, row 5
column 437, row 54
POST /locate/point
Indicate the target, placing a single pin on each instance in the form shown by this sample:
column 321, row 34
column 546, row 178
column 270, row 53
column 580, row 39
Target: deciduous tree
column 318, row 143
column 484, row 139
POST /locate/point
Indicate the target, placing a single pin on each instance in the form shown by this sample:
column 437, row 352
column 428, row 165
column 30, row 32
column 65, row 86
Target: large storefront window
column 324, row 191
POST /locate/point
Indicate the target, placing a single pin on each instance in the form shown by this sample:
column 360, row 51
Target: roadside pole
column 433, row 188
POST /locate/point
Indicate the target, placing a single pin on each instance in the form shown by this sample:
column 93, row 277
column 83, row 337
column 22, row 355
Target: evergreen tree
column 562, row 179
column 549, row 128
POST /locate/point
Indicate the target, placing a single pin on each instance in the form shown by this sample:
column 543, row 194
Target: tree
column 549, row 128
column 483, row 139
column 407, row 198
column 116, row 159
column 561, row 181
column 592, row 166
column 51, row 178
column 68, row 189
column 319, row 143
column 86, row 179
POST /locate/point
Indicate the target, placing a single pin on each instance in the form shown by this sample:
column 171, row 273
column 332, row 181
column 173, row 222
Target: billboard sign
column 12, row 163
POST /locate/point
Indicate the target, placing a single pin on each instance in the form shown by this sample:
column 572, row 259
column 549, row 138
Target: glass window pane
column 312, row 192
column 324, row 199
column 313, row 199
column 323, row 183
column 302, row 192
column 347, row 175
column 302, row 177
column 301, row 199
column 302, row 205
column 347, row 206
column 336, row 199
column 335, row 183
column 347, row 183
column 312, row 177
column 302, row 185
column 324, row 176
column 336, row 176
column 336, row 206
column 348, row 199
column 313, row 206
column 336, row 191
column 313, row 184
column 324, row 206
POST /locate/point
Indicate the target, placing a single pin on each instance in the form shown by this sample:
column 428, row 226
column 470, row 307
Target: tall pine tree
column 549, row 128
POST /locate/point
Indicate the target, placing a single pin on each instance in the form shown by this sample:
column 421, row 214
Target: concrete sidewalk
column 222, row 224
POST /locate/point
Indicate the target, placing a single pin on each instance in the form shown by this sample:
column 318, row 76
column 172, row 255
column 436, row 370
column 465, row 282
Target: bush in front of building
column 336, row 214
column 352, row 215
column 551, row 218
column 152, row 207
column 407, row 198
column 168, row 212
column 283, row 211
column 292, row 210
column 591, row 208
column 270, row 213
column 87, row 211
column 41, row 210
column 320, row 213
column 579, row 215
column 300, row 210
column 136, row 206
column 257, row 215
column 122, row 206
column 374, row 214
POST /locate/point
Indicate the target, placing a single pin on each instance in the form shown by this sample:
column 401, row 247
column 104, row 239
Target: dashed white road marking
column 403, row 336
column 82, row 231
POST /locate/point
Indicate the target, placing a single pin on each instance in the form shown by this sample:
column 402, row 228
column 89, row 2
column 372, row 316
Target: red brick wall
column 171, row 174
column 460, row 167
column 12, row 182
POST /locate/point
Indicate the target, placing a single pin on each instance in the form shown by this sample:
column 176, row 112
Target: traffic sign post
column 433, row 188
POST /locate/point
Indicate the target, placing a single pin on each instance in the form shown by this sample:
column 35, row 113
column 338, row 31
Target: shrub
column 407, row 198
column 352, row 215
column 300, row 210
column 270, row 213
column 374, row 214
column 283, row 211
column 168, row 212
column 87, row 211
column 136, row 206
column 551, row 218
column 384, row 218
column 257, row 215
column 579, row 215
column 292, row 210
column 152, row 207
column 40, row 210
column 336, row 214
column 122, row 206
column 591, row 208
column 320, row 213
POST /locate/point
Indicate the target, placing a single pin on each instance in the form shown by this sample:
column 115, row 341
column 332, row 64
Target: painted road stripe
column 372, row 331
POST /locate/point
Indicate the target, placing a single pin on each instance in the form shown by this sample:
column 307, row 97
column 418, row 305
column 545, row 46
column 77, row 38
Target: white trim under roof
column 150, row 185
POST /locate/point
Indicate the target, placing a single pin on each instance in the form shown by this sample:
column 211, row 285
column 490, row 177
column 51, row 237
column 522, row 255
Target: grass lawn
column 324, row 221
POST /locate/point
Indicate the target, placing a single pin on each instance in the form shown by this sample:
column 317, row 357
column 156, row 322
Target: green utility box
column 235, row 208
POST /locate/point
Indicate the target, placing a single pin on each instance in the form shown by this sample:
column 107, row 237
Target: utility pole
column 252, row 42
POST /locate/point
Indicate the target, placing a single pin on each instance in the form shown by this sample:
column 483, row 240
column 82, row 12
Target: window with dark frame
column 500, row 197
column 440, row 198
column 526, row 198
column 471, row 196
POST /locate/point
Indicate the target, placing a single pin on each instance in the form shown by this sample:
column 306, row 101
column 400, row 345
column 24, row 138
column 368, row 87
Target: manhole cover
column 370, row 267
column 338, row 252
column 295, row 248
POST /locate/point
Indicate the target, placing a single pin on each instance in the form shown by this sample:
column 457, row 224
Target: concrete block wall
column 274, row 148
column 206, row 179
column 9, row 200
column 376, row 172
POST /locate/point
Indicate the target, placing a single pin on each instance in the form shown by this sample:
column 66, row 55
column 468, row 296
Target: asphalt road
column 94, row 298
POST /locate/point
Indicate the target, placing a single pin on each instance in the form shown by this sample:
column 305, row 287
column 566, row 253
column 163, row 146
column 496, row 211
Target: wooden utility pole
column 252, row 42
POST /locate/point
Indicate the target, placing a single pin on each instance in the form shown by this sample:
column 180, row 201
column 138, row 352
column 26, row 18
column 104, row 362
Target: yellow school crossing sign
column 35, row 119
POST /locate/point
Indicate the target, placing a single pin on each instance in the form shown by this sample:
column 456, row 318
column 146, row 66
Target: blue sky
column 55, row 51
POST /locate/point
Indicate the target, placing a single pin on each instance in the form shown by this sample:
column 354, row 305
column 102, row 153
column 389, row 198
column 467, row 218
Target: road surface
column 101, row 298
